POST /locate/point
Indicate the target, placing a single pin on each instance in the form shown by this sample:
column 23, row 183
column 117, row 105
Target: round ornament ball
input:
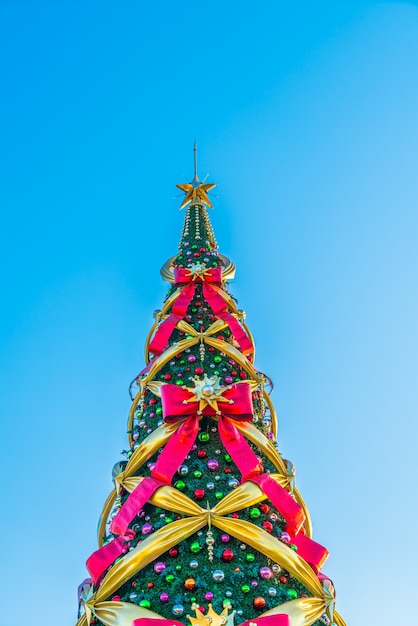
column 218, row 575
column 265, row 573
column 259, row 603
column 227, row 555
column 178, row 610
column 190, row 583
column 159, row 567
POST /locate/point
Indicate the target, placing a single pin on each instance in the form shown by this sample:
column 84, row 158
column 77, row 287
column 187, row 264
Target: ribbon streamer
column 272, row 620
column 214, row 297
column 103, row 558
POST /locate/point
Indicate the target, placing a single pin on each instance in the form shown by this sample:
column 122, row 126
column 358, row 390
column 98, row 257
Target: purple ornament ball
column 265, row 573
column 208, row 596
column 164, row 597
column 146, row 529
column 225, row 538
column 159, row 567
column 212, row 465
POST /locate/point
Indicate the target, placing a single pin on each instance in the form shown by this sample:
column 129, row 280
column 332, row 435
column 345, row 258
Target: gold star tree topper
column 196, row 191
column 212, row 618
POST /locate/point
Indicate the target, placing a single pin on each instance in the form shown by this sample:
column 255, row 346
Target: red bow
column 214, row 298
column 234, row 402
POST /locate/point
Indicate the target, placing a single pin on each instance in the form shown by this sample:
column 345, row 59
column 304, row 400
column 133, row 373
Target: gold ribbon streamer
column 303, row 612
column 271, row 547
column 143, row 452
column 146, row 551
column 196, row 337
column 265, row 445
column 176, row 532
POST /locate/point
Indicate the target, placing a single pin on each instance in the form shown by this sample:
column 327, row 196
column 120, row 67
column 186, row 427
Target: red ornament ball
column 150, row 585
column 167, row 376
column 259, row 603
column 199, row 370
column 268, row 526
column 173, row 552
column 201, row 454
column 227, row 555
column 264, row 508
column 199, row 494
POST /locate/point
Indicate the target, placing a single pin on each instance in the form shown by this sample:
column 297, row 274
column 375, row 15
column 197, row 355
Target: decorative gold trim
column 228, row 270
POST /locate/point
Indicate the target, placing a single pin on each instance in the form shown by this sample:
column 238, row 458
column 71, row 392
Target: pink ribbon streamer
column 105, row 556
column 267, row 620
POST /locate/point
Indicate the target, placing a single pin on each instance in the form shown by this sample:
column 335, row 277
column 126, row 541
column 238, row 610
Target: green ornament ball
column 146, row 604
column 170, row 578
column 180, row 484
column 245, row 588
column 255, row 513
column 195, row 547
column 250, row 557
column 292, row 594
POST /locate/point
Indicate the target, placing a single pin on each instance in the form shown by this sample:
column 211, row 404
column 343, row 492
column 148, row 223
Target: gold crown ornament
column 211, row 618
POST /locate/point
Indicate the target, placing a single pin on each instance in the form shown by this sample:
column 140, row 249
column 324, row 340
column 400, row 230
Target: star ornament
column 196, row 192
column 207, row 392
column 212, row 618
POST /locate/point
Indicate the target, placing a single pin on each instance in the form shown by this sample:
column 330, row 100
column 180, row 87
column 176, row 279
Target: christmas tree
column 205, row 524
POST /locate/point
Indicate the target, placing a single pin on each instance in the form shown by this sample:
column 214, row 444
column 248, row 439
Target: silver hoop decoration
column 228, row 269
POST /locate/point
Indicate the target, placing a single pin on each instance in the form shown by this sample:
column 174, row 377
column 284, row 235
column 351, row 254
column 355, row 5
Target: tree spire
column 196, row 191
column 197, row 238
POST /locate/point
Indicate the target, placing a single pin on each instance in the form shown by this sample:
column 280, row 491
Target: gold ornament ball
column 190, row 583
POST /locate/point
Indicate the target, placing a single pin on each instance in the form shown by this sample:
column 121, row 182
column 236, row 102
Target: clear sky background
column 305, row 115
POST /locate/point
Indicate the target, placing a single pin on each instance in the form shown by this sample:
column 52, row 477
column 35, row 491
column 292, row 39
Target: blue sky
column 306, row 116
